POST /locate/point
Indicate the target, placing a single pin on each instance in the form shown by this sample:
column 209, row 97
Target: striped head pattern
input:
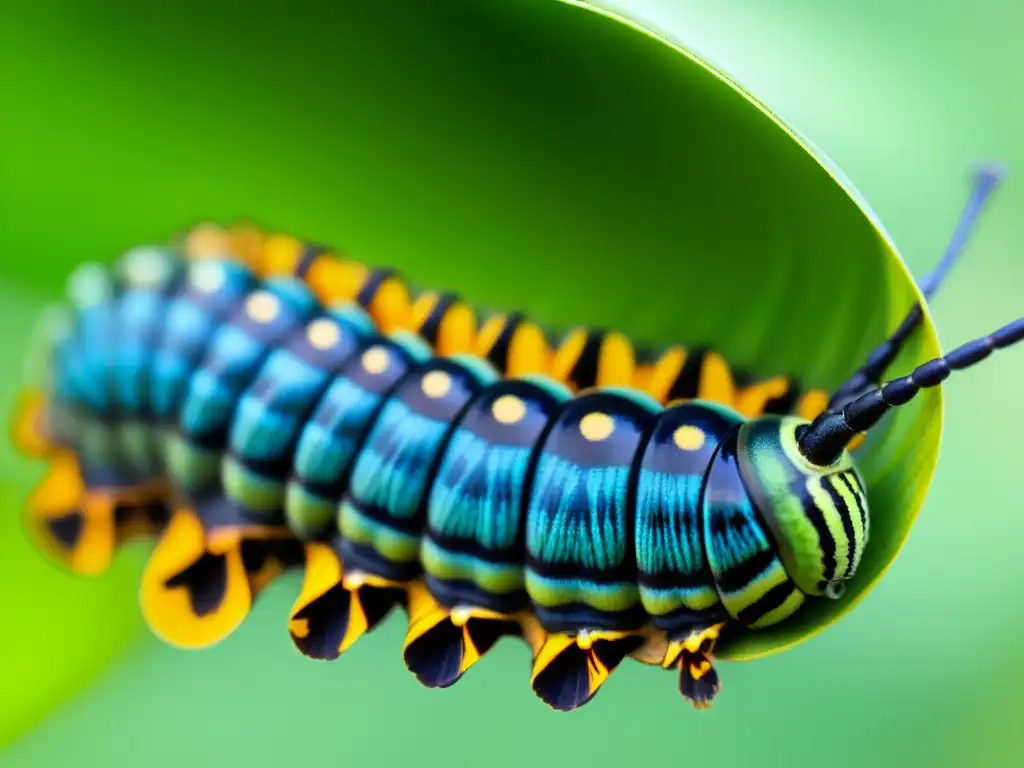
column 815, row 516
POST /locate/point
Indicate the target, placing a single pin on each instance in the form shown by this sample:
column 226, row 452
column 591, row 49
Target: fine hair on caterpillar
column 259, row 404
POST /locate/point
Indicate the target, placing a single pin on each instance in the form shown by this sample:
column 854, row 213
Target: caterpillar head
column 815, row 515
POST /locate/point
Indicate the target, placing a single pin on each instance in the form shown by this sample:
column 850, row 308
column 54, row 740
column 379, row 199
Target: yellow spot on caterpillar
column 207, row 277
column 375, row 360
column 263, row 307
column 689, row 438
column 596, row 426
column 436, row 384
column 323, row 334
column 508, row 409
column 460, row 616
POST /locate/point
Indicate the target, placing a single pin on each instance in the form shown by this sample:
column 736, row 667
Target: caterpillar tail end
column 204, row 576
column 335, row 609
column 569, row 670
column 441, row 644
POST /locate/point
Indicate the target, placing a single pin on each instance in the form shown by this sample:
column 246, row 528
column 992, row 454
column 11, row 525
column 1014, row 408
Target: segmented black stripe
column 844, row 516
column 817, row 518
column 768, row 602
column 785, row 402
column 498, row 353
column 860, row 496
column 431, row 326
column 584, row 372
column 368, row 291
column 461, row 545
column 740, row 576
column 309, row 255
column 680, row 622
column 700, row 578
column 687, row 383
column 573, row 571
column 277, row 469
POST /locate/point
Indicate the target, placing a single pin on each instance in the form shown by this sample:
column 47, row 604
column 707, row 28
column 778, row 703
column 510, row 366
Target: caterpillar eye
column 835, row 589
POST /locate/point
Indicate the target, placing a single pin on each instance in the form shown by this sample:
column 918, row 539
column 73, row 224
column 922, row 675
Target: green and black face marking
column 285, row 408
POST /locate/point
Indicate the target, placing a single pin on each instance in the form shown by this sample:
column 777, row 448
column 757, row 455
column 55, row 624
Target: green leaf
column 530, row 153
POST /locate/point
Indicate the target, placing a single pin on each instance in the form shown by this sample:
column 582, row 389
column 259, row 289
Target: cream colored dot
column 263, row 307
column 508, row 409
column 460, row 616
column 689, row 438
column 436, row 384
column 89, row 285
column 146, row 267
column 375, row 360
column 207, row 276
column 323, row 334
column 596, row 426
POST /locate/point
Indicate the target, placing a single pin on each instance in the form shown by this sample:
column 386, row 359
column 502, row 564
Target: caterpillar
column 279, row 407
column 191, row 291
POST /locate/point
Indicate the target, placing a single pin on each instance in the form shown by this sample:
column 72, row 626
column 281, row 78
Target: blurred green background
column 118, row 126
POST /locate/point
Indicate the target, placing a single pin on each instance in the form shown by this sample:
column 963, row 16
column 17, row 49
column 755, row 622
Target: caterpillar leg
column 691, row 653
column 336, row 608
column 698, row 680
column 568, row 670
column 82, row 527
column 441, row 644
column 206, row 572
